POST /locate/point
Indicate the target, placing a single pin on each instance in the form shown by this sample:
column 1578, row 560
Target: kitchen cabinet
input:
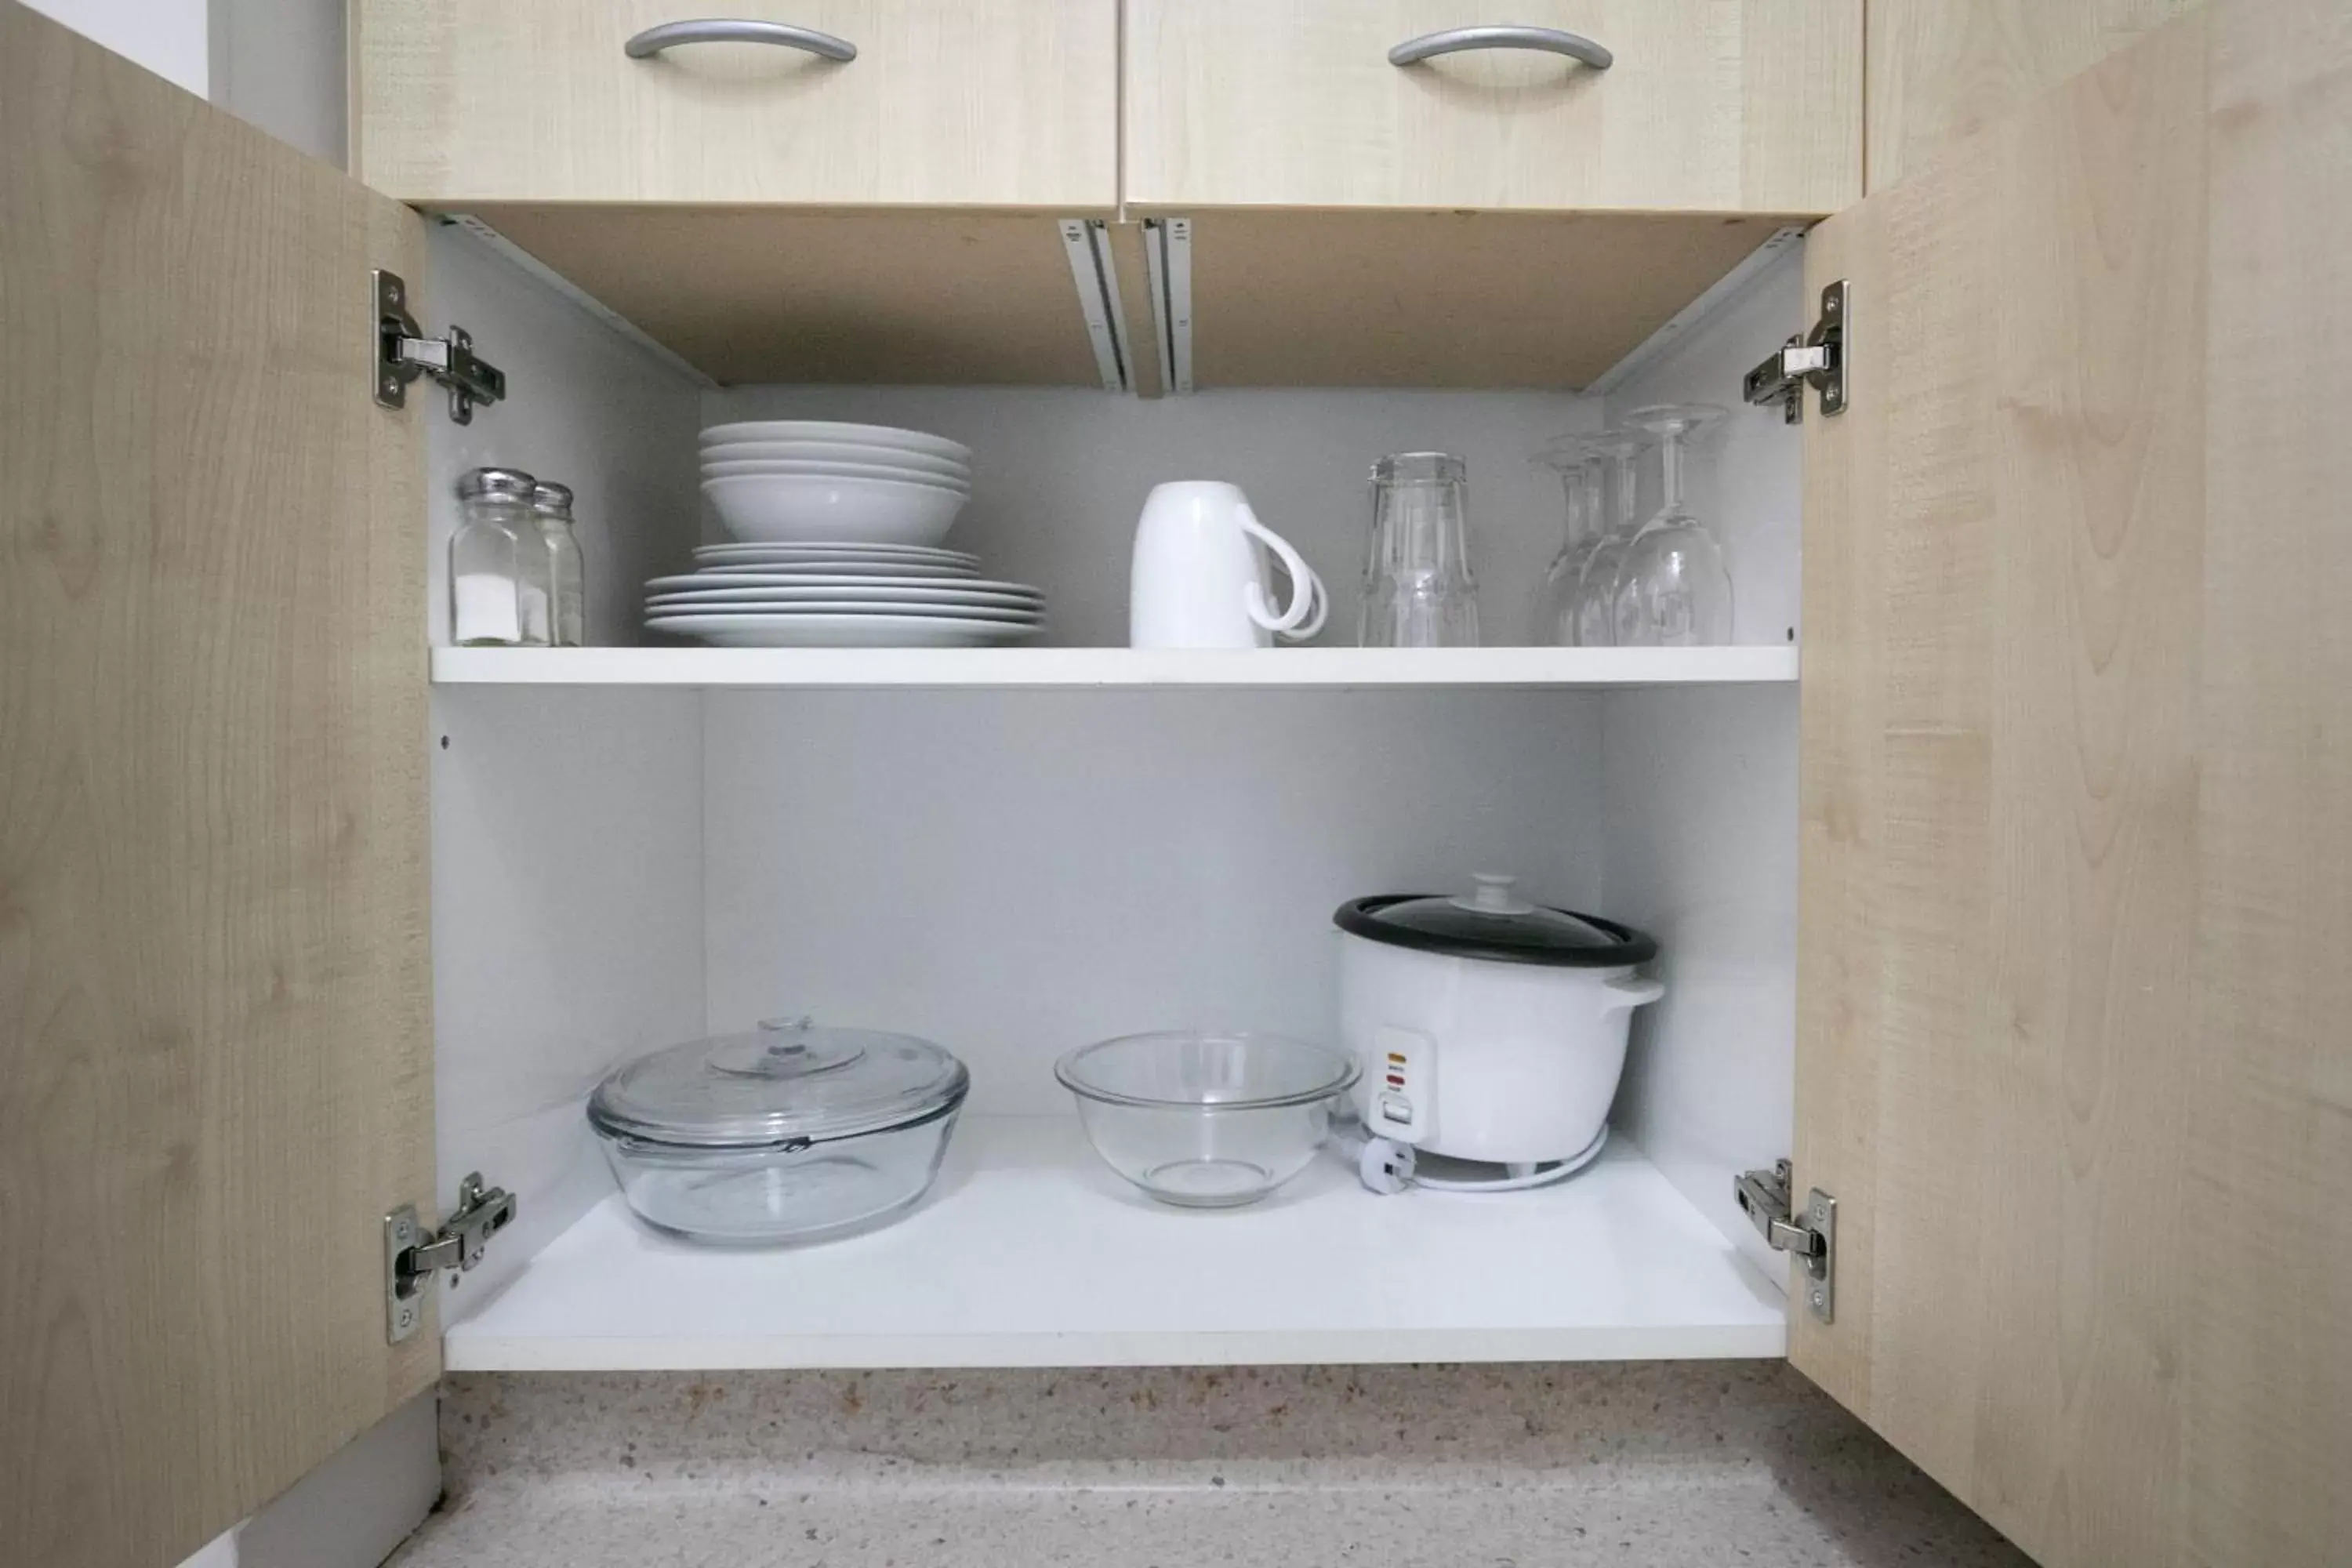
column 2068, row 810
column 998, row 103
column 218, row 1031
column 1498, row 216
column 1721, row 105
column 888, row 216
column 1938, row 70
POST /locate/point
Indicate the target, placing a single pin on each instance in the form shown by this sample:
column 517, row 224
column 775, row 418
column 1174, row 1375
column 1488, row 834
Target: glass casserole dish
column 794, row 1131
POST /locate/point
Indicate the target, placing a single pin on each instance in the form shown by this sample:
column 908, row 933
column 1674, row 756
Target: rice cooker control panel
column 1401, row 1073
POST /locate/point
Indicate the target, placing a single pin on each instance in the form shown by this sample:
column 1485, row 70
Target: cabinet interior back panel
column 1060, row 475
column 1015, row 873
column 585, row 406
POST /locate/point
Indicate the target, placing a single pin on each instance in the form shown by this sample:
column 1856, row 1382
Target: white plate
column 839, row 631
column 822, row 579
column 790, row 509
column 996, row 614
column 836, row 452
column 722, row 470
column 898, row 594
column 830, row 430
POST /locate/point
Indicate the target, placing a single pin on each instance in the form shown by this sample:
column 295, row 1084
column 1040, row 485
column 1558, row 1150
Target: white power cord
column 1386, row 1166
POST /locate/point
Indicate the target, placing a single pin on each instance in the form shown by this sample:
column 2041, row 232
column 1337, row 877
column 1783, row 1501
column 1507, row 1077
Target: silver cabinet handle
column 654, row 40
column 1551, row 40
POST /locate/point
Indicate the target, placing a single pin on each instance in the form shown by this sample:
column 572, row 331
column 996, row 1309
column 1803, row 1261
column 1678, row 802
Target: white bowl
column 714, row 471
column 828, row 430
column 836, row 452
column 778, row 509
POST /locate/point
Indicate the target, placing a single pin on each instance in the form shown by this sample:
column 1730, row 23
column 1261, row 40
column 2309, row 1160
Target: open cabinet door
column 215, row 1055
column 2075, row 942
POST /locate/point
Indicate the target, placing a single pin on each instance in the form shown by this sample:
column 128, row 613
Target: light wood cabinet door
column 216, row 1043
column 980, row 103
column 1707, row 105
column 1938, row 70
column 2077, row 807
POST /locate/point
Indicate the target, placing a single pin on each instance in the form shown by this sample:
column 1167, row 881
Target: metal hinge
column 1764, row 1197
column 414, row 1259
column 1817, row 358
column 403, row 353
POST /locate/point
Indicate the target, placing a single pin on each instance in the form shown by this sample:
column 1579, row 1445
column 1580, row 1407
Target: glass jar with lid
column 497, row 568
column 551, row 506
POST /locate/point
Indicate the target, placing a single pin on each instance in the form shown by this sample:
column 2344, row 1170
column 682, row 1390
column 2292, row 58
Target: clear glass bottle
column 1418, row 587
column 1580, row 464
column 494, row 550
column 551, row 506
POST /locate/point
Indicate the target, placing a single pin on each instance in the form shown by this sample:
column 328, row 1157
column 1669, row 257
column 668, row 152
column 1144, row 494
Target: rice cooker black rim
column 1355, row 916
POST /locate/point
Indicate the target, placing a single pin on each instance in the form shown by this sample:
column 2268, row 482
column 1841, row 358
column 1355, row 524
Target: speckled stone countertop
column 1684, row 1463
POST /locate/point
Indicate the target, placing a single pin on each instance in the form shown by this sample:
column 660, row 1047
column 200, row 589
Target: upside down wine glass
column 1674, row 589
column 1580, row 465
column 1619, row 452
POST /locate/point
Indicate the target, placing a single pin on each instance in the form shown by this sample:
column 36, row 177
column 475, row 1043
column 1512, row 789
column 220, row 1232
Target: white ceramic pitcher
column 1199, row 574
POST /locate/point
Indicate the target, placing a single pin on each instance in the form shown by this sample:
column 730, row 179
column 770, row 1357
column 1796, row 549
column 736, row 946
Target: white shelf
column 1030, row 1252
column 1048, row 667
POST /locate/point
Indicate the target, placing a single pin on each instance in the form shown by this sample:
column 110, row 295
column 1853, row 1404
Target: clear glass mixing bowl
column 1203, row 1118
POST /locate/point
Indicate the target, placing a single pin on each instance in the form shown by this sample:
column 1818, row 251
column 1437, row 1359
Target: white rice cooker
column 1489, row 1029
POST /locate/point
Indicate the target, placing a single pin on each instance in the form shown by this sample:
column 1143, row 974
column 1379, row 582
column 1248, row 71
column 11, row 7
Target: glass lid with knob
column 1492, row 920
column 789, row 1080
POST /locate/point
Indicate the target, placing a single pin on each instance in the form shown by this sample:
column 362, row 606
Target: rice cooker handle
column 1628, row 993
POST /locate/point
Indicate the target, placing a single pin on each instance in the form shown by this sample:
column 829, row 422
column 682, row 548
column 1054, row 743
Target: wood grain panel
column 214, row 1026
column 785, row 294
column 979, row 103
column 1711, row 105
column 1938, row 70
column 2000, row 864
column 2269, row 1358
column 1469, row 300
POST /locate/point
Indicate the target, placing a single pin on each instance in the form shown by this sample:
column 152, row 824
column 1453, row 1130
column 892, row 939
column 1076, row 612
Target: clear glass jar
column 494, row 546
column 1418, row 588
column 551, row 506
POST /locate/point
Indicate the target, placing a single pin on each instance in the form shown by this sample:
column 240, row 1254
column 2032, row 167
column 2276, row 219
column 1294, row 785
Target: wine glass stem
column 1670, row 473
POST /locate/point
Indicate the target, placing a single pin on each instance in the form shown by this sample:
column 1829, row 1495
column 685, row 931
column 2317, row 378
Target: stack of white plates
column 804, row 481
column 840, row 595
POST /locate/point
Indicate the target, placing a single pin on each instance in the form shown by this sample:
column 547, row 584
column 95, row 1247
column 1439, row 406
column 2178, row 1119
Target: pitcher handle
column 1302, row 596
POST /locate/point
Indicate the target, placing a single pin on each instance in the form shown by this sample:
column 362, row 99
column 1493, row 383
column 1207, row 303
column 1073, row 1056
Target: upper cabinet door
column 1940, row 69
column 2076, row 807
column 216, row 1043
column 1705, row 105
column 979, row 103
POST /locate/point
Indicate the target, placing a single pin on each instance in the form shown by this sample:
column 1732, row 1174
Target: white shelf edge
column 1032, row 1255
column 1115, row 667
column 489, row 1351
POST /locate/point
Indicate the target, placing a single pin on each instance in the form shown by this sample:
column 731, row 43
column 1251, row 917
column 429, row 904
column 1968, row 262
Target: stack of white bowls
column 805, row 481
column 837, row 530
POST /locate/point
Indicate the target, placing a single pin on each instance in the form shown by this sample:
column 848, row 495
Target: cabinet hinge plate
column 1811, row 1237
column 414, row 1257
column 403, row 353
column 1815, row 359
